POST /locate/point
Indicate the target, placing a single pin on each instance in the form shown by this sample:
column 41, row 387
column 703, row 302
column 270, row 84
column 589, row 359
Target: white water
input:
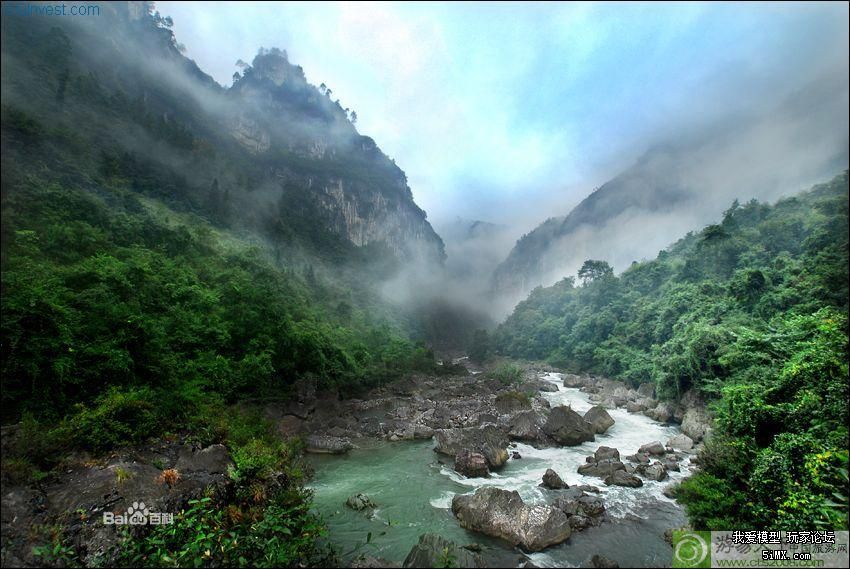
column 638, row 515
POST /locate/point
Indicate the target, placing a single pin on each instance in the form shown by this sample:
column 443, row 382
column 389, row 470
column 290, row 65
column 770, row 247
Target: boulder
column 601, row 469
column 576, row 504
column 655, row 471
column 552, row 481
column 696, row 423
column 646, row 390
column 515, row 455
column 681, row 442
column 503, row 514
column 567, row 427
column 571, row 380
column 527, row 426
column 488, row 440
column 471, row 464
column 634, row 407
column 599, row 418
column 434, row 551
column 662, row 412
column 422, row 432
column 654, row 447
column 321, row 444
column 623, row 478
column 603, row 453
column 639, row 457
column 360, row 502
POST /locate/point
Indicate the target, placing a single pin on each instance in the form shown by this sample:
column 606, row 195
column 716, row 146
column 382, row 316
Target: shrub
column 507, row 374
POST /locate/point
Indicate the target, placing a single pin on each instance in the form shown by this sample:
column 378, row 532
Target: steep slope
column 749, row 314
column 271, row 154
column 683, row 184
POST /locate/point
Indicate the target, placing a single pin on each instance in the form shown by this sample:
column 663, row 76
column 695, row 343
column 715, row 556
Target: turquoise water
column 413, row 490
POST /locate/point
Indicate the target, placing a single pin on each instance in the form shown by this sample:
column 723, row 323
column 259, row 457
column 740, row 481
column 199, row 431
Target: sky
column 511, row 113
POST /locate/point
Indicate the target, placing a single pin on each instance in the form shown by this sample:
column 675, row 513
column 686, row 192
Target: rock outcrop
column 552, row 481
column 567, row 427
column 435, row 551
column 471, row 464
column 487, row 440
column 599, row 418
column 503, row 514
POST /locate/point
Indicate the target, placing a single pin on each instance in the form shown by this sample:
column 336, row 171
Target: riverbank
column 413, row 487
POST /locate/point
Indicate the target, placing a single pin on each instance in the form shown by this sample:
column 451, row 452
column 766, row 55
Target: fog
column 502, row 118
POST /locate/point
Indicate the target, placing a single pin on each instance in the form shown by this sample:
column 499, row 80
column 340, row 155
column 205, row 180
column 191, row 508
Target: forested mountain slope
column 172, row 250
column 750, row 312
column 271, row 154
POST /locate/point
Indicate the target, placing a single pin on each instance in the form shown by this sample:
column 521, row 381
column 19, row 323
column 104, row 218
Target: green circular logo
column 691, row 550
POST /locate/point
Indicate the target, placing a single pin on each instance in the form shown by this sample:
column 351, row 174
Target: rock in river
column 552, row 481
column 623, row 478
column 568, row 427
column 654, row 447
column 599, row 418
column 488, row 440
column 471, row 464
column 503, row 514
column 359, row 502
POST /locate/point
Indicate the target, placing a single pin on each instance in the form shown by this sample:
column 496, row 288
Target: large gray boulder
column 552, row 481
column 601, row 469
column 603, row 453
column 471, row 464
column 434, row 551
column 576, row 502
column 662, row 412
column 599, row 418
column 655, row 448
column 696, row 423
column 527, row 426
column 360, row 502
column 487, row 440
column 567, row 427
column 503, row 514
column 623, row 478
column 646, row 390
column 681, row 442
column 655, row 471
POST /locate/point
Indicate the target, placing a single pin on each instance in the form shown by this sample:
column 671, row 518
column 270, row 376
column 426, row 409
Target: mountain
column 271, row 154
column 684, row 183
column 749, row 314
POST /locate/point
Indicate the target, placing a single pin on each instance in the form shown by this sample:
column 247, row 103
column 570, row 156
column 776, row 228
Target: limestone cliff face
column 323, row 166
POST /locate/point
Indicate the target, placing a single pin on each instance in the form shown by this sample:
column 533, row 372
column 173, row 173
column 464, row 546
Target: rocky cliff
column 270, row 154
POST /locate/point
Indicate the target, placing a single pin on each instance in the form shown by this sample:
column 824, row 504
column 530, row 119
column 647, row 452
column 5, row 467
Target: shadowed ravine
column 413, row 490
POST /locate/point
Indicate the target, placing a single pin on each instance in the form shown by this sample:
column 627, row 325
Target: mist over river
column 413, row 489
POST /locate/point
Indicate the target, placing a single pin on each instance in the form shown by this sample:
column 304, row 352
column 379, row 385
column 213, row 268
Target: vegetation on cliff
column 752, row 313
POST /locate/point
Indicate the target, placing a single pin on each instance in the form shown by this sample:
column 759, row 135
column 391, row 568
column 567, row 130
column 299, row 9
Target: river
column 413, row 490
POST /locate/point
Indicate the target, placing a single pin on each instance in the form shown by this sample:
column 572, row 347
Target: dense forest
column 182, row 261
column 141, row 302
column 752, row 314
